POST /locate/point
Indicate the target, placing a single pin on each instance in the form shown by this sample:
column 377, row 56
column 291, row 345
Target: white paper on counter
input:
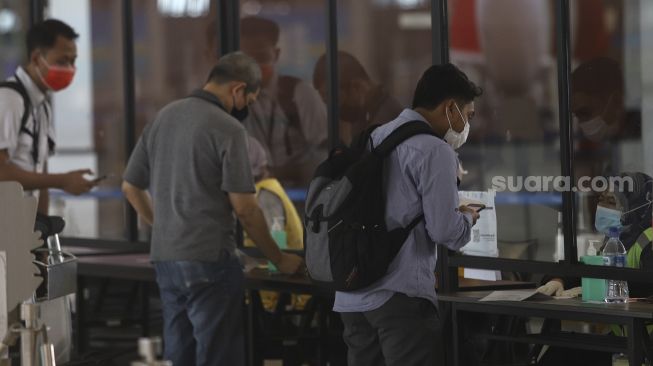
column 515, row 295
column 482, row 274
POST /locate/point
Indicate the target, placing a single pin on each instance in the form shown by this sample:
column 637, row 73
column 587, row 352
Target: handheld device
column 478, row 207
column 100, row 178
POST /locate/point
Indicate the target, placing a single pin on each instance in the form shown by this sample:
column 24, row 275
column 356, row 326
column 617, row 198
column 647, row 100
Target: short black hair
column 349, row 68
column 599, row 76
column 260, row 27
column 441, row 82
column 44, row 34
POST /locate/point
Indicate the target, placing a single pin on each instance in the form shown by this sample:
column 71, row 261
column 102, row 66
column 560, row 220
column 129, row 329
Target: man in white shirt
column 27, row 140
column 27, row 136
column 288, row 118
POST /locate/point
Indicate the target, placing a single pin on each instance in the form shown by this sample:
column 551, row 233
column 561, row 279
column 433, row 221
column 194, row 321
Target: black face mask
column 239, row 114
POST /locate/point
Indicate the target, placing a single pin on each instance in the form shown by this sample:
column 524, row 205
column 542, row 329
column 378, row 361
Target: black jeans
column 405, row 331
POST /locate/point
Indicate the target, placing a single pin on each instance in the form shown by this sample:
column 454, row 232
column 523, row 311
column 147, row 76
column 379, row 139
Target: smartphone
column 478, row 207
column 100, row 178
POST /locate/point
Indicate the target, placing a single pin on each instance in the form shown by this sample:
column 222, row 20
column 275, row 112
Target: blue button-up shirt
column 420, row 177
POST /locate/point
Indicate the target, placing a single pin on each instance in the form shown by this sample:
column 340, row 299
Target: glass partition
column 14, row 21
column 384, row 49
column 611, row 96
column 513, row 146
column 289, row 119
column 89, row 120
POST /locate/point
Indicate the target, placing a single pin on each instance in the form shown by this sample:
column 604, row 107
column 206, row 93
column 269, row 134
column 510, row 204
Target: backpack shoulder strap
column 402, row 133
column 363, row 139
column 18, row 87
column 285, row 96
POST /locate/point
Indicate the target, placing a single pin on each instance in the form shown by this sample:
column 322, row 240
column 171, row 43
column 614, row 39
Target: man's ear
column 237, row 87
column 34, row 56
column 450, row 105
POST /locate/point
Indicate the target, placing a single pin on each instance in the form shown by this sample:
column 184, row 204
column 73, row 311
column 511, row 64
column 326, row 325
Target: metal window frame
column 227, row 36
column 36, row 11
column 129, row 95
column 228, row 26
column 448, row 262
column 332, row 72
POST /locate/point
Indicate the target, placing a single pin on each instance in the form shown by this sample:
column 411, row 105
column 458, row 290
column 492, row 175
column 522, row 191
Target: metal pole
column 228, row 26
column 566, row 143
column 235, row 26
column 332, row 72
column 439, row 32
column 447, row 276
column 130, row 103
column 36, row 11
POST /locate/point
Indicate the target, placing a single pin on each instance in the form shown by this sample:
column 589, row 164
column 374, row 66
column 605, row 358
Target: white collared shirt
column 19, row 144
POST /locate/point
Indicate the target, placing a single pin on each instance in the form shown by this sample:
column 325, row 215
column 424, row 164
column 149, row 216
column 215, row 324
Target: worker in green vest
column 630, row 210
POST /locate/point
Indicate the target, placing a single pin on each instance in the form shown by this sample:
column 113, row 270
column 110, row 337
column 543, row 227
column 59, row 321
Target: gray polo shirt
column 420, row 177
column 189, row 158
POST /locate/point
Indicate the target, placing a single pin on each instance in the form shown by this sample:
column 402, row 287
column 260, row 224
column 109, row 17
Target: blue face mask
column 607, row 218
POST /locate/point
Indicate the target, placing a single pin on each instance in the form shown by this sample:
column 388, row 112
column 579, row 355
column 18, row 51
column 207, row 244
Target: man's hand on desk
column 290, row 263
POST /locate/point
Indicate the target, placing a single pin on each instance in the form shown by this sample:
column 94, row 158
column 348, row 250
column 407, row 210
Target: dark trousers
column 202, row 312
column 405, row 331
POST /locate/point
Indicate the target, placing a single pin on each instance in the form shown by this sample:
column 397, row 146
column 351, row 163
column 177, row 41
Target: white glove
column 551, row 288
column 572, row 292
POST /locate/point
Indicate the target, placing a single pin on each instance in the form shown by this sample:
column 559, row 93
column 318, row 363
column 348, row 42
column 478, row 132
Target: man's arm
column 446, row 222
column 253, row 221
column 140, row 200
column 72, row 182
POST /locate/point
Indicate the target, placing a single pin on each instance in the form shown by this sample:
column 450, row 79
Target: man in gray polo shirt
column 193, row 161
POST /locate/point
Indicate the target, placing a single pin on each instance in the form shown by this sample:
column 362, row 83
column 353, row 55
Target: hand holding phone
column 478, row 207
column 101, row 178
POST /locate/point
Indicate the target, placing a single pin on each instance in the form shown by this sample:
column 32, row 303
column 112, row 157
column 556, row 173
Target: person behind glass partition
column 272, row 198
column 288, row 118
column 630, row 211
column 362, row 102
column 606, row 132
column 276, row 205
column 597, row 105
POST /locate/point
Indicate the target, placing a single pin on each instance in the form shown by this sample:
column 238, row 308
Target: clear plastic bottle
column 559, row 253
column 280, row 237
column 614, row 254
column 619, row 359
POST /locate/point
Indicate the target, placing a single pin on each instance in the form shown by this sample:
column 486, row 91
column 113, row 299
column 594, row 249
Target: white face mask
column 454, row 138
column 595, row 128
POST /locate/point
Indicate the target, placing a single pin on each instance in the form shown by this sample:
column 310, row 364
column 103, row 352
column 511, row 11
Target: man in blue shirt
column 395, row 320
